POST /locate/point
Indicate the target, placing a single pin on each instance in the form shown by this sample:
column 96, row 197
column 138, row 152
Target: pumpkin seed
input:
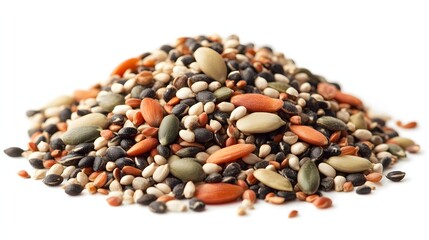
column 186, row 169
column 273, row 179
column 259, row 122
column 222, row 94
column 308, row 178
column 80, row 135
column 211, row 63
column 358, row 119
column 110, row 100
column 396, row 150
column 168, row 129
column 349, row 164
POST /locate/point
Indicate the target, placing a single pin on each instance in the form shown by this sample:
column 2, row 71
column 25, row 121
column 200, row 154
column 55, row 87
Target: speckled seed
column 211, row 63
column 362, row 190
column 259, row 122
column 327, row 170
column 197, row 205
column 331, row 123
column 74, row 189
column 53, row 180
column 308, row 178
column 273, row 179
column 395, row 176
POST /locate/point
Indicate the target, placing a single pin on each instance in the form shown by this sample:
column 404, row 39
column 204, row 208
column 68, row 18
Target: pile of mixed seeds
column 213, row 121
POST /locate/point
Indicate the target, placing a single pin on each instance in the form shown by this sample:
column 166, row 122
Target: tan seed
column 211, row 63
column 23, row 174
column 374, row 177
column 293, row 213
column 323, row 202
column 276, row 200
column 259, row 122
column 100, row 180
column 348, row 187
column 114, row 201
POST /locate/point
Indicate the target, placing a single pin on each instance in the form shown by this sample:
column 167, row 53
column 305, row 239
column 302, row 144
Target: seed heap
column 213, row 121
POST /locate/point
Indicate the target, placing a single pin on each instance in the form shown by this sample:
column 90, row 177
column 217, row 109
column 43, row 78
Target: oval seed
column 74, row 189
column 273, row 179
column 211, row 63
column 395, row 176
column 308, row 178
column 53, row 180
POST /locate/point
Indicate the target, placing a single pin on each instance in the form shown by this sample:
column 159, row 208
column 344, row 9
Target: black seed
column 36, row 163
column 99, row 164
column 127, row 143
column 289, row 173
column 364, row 150
column 127, row 132
column 213, row 178
column 87, row 161
column 31, row 113
column 261, row 164
column 284, row 147
column 53, row 180
column 254, row 188
column 333, row 150
column 124, row 161
column 235, row 75
column 233, row 66
column 57, row 144
column 74, row 189
column 172, row 181
column 163, row 151
column 188, row 152
column 277, row 68
column 147, row 93
column 263, row 191
column 205, row 97
column 166, row 48
column 326, row 184
column 169, row 94
column 83, row 148
column 248, row 75
column 386, row 162
column 395, row 176
column 189, row 101
column 280, row 156
column 50, row 129
column 158, row 207
column 231, row 180
column 203, row 135
column 141, row 162
column 115, row 152
column 197, row 205
column 316, row 153
column 267, row 76
column 83, row 112
column 74, row 173
column 289, row 108
column 178, row 191
column 357, row 179
column 13, row 151
column 117, row 119
column 188, row 59
column 70, row 159
column 232, row 169
column 363, row 190
column 220, row 139
column 288, row 196
column 222, row 117
column 180, row 110
column 146, row 199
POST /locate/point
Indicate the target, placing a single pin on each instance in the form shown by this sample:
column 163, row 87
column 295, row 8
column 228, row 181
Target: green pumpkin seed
column 349, row 164
column 59, row 101
column 272, row 179
column 331, row 123
column 186, row 169
column 279, row 86
column 211, row 63
column 222, row 94
column 80, row 135
column 92, row 119
column 168, row 129
column 308, row 178
column 396, row 150
column 402, row 141
column 259, row 122
column 110, row 101
column 358, row 120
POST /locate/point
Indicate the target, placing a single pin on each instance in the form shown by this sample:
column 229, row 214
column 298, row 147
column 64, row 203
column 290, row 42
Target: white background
column 376, row 50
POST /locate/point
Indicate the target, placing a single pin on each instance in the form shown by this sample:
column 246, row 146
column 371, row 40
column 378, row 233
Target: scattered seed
column 53, row 180
column 114, row 201
column 293, row 214
column 23, row 174
column 74, row 189
column 395, row 176
column 158, row 207
column 13, row 152
column 322, row 202
column 363, row 190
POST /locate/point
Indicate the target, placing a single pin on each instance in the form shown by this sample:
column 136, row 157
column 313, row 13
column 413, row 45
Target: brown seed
column 348, row 187
column 408, row 125
column 257, row 102
column 349, row 150
column 130, row 170
column 217, row 193
column 241, row 211
column 103, row 191
column 249, row 195
column 309, row 135
column 276, row 200
column 301, row 196
column 293, row 214
column 114, row 201
column 165, row 198
column 91, row 188
column 152, row 111
column 125, row 65
column 374, row 177
column 143, row 146
column 322, row 202
column 231, row 153
column 347, row 98
column 311, row 198
column 100, row 180
column 133, row 102
column 328, row 91
column 23, row 174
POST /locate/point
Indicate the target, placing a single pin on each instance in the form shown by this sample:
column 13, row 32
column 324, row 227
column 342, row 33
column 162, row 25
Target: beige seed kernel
column 126, row 180
column 161, row 173
column 189, row 190
column 264, row 150
column 68, row 171
column 56, row 169
column 115, row 186
column 163, row 188
column 155, row 191
column 327, row 170
column 298, row 148
column 149, row 170
column 176, row 206
column 39, row 174
column 209, row 168
column 82, row 178
column 209, row 107
column 187, row 135
column 196, row 109
column 238, row 113
column 339, row 182
column 140, row 183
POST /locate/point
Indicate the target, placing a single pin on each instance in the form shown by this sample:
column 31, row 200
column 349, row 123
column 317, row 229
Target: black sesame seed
column 197, row 205
column 158, row 207
column 213, row 178
column 53, row 180
column 363, row 190
column 395, row 176
column 232, row 169
column 74, row 189
column 178, row 191
column 146, row 199
column 288, row 196
column 203, row 135
column 327, row 184
column 127, row 132
column 87, row 161
column 357, row 179
column 13, row 151
column 36, row 163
